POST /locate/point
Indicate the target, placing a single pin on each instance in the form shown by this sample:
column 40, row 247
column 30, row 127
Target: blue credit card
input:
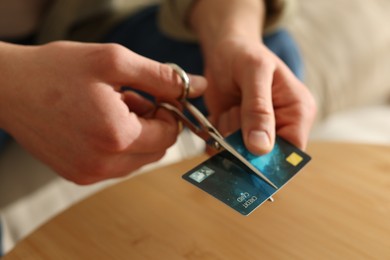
column 232, row 182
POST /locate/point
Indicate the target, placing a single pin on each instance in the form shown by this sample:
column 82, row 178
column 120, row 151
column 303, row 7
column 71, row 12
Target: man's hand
column 253, row 89
column 249, row 87
column 61, row 102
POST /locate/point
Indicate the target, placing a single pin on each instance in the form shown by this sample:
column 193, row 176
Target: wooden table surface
column 338, row 207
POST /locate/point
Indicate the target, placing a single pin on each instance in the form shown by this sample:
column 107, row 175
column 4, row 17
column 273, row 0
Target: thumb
column 158, row 79
column 258, row 119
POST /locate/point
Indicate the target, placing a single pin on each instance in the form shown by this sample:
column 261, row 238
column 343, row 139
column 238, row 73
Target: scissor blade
column 233, row 151
column 179, row 115
column 204, row 123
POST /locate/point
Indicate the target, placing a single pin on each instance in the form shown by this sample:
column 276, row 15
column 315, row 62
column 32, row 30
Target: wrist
column 4, row 52
column 219, row 20
column 10, row 75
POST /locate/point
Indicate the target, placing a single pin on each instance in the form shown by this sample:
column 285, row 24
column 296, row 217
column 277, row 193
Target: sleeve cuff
column 172, row 19
column 277, row 12
column 173, row 16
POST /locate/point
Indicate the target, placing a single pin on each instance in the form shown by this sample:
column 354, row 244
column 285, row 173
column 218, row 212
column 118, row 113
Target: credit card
column 232, row 182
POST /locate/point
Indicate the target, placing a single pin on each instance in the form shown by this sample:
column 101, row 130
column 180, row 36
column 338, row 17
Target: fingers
column 136, row 162
column 296, row 107
column 258, row 120
column 273, row 99
column 296, row 132
column 127, row 68
column 162, row 81
column 137, row 103
column 155, row 137
column 229, row 121
column 120, row 166
column 158, row 133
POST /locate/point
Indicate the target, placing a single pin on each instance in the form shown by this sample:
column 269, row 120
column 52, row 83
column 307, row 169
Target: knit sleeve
column 173, row 17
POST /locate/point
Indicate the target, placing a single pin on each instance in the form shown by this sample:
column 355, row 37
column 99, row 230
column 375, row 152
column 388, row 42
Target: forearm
column 6, row 51
column 215, row 20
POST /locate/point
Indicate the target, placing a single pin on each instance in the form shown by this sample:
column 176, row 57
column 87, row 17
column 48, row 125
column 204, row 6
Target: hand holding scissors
column 204, row 129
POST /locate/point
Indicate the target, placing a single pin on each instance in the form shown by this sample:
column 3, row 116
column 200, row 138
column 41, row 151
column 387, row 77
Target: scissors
column 205, row 130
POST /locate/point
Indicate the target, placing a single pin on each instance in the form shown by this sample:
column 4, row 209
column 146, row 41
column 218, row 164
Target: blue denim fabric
column 140, row 34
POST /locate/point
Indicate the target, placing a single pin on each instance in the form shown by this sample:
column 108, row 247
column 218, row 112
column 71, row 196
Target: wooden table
column 338, row 207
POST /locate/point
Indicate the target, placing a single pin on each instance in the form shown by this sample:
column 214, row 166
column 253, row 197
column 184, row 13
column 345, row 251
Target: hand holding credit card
column 227, row 179
column 234, row 175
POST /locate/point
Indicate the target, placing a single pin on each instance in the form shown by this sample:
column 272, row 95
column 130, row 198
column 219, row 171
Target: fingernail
column 197, row 86
column 259, row 138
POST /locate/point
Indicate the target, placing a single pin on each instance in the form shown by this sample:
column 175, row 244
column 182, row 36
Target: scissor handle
column 184, row 78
